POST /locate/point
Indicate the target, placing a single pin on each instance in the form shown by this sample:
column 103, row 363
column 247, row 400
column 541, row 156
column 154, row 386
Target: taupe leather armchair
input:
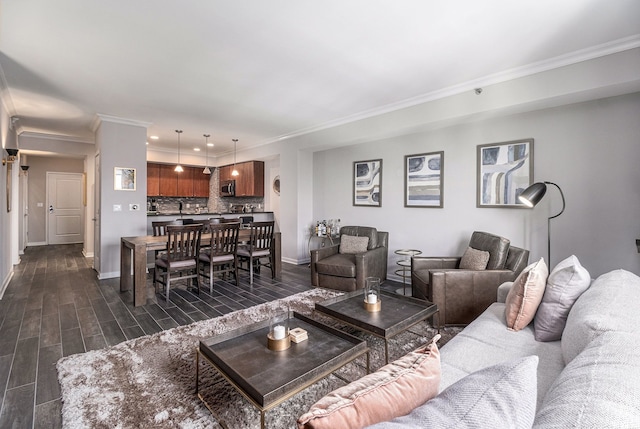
column 335, row 270
column 461, row 294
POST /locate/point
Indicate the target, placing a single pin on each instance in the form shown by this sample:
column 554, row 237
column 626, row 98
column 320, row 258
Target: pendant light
column 206, row 170
column 179, row 168
column 234, row 172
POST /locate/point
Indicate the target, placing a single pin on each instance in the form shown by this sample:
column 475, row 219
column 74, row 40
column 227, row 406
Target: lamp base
column 278, row 345
column 372, row 308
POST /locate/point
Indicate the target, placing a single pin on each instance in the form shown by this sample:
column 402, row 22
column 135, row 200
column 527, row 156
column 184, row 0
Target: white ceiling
column 261, row 70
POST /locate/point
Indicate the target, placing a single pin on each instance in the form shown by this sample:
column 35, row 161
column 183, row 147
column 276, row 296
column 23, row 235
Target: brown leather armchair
column 462, row 294
column 342, row 271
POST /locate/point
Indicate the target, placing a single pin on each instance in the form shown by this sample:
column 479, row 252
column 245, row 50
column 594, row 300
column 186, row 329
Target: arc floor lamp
column 532, row 196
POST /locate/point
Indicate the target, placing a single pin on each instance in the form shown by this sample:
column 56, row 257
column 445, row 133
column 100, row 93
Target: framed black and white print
column 367, row 183
column 423, row 180
column 504, row 171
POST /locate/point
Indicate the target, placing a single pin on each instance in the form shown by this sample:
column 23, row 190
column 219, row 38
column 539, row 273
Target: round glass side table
column 405, row 267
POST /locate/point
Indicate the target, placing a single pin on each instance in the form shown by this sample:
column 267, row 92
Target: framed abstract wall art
column 367, row 183
column 423, row 180
column 124, row 179
column 504, row 171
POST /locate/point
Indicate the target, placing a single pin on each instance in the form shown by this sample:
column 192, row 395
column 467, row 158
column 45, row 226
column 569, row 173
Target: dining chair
column 159, row 227
column 221, row 254
column 183, row 247
column 258, row 247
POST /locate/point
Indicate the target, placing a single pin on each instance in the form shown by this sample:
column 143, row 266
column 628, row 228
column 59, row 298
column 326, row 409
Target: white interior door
column 65, row 219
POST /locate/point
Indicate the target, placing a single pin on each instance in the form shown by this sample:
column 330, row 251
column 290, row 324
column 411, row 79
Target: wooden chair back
column 183, row 242
column 261, row 237
column 224, row 239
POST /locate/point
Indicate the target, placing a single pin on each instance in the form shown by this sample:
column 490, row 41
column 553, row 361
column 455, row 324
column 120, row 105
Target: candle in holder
column 372, row 302
column 278, row 332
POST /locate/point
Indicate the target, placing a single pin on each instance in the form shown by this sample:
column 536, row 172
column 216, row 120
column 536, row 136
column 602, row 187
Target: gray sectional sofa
column 588, row 379
column 494, row 377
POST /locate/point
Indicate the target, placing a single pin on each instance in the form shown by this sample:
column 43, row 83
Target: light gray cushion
column 486, row 342
column 599, row 388
column 500, row 396
column 474, row 259
column 350, row 244
column 610, row 304
column 565, row 284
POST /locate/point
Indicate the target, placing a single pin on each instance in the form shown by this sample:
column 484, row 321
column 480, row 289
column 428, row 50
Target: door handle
column 50, row 209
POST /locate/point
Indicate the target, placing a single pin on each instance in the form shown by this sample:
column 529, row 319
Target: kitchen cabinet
column 225, row 173
column 250, row 180
column 185, row 182
column 162, row 180
column 153, row 180
column 168, row 180
column 200, row 183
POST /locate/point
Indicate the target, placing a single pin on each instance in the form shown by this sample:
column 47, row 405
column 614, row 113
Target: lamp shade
column 533, row 194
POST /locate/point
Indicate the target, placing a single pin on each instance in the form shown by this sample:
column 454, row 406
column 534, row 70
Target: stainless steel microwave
column 228, row 188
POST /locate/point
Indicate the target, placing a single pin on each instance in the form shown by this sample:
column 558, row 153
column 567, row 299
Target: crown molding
column 593, row 52
column 99, row 118
column 48, row 136
column 7, row 101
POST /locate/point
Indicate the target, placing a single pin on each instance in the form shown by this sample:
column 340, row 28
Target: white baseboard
column 5, row 283
column 87, row 254
column 102, row 276
column 37, row 243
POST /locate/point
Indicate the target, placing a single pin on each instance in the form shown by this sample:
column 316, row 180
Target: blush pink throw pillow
column 525, row 295
column 394, row 390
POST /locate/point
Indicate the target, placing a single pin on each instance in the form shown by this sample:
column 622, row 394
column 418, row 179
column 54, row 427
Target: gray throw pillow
column 474, row 259
column 500, row 396
column 350, row 244
column 565, row 284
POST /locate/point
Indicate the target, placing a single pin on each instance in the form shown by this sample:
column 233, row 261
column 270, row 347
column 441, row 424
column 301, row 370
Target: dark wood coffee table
column 398, row 314
column 268, row 378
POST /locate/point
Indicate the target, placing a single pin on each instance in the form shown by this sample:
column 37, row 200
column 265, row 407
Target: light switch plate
column 117, row 208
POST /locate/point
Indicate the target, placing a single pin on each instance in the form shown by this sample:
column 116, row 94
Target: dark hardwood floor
column 55, row 306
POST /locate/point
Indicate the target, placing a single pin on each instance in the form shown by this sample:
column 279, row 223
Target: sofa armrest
column 317, row 255
column 372, row 263
column 462, row 295
column 503, row 291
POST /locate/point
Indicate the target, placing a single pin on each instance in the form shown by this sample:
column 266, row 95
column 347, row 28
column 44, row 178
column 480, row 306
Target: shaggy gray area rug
column 150, row 381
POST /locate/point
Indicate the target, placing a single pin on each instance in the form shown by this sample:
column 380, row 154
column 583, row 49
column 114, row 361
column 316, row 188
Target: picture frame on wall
column 124, row 179
column 367, row 183
column 424, row 180
column 504, row 170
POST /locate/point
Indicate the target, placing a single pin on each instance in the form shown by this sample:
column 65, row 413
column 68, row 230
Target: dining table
column 133, row 260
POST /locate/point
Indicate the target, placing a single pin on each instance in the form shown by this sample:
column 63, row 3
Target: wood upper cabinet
column 153, row 180
column 250, row 180
column 225, row 173
column 185, row 182
column 162, row 180
column 168, row 180
column 200, row 183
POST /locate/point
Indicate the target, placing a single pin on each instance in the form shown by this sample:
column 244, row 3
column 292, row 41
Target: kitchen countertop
column 203, row 213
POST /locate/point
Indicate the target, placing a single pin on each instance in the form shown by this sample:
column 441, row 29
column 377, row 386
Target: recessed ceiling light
column 197, row 149
column 147, row 143
column 154, row 137
column 210, row 144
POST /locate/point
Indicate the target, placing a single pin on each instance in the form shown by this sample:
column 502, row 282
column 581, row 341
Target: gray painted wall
column 120, row 145
column 590, row 149
column 37, row 176
column 5, row 226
